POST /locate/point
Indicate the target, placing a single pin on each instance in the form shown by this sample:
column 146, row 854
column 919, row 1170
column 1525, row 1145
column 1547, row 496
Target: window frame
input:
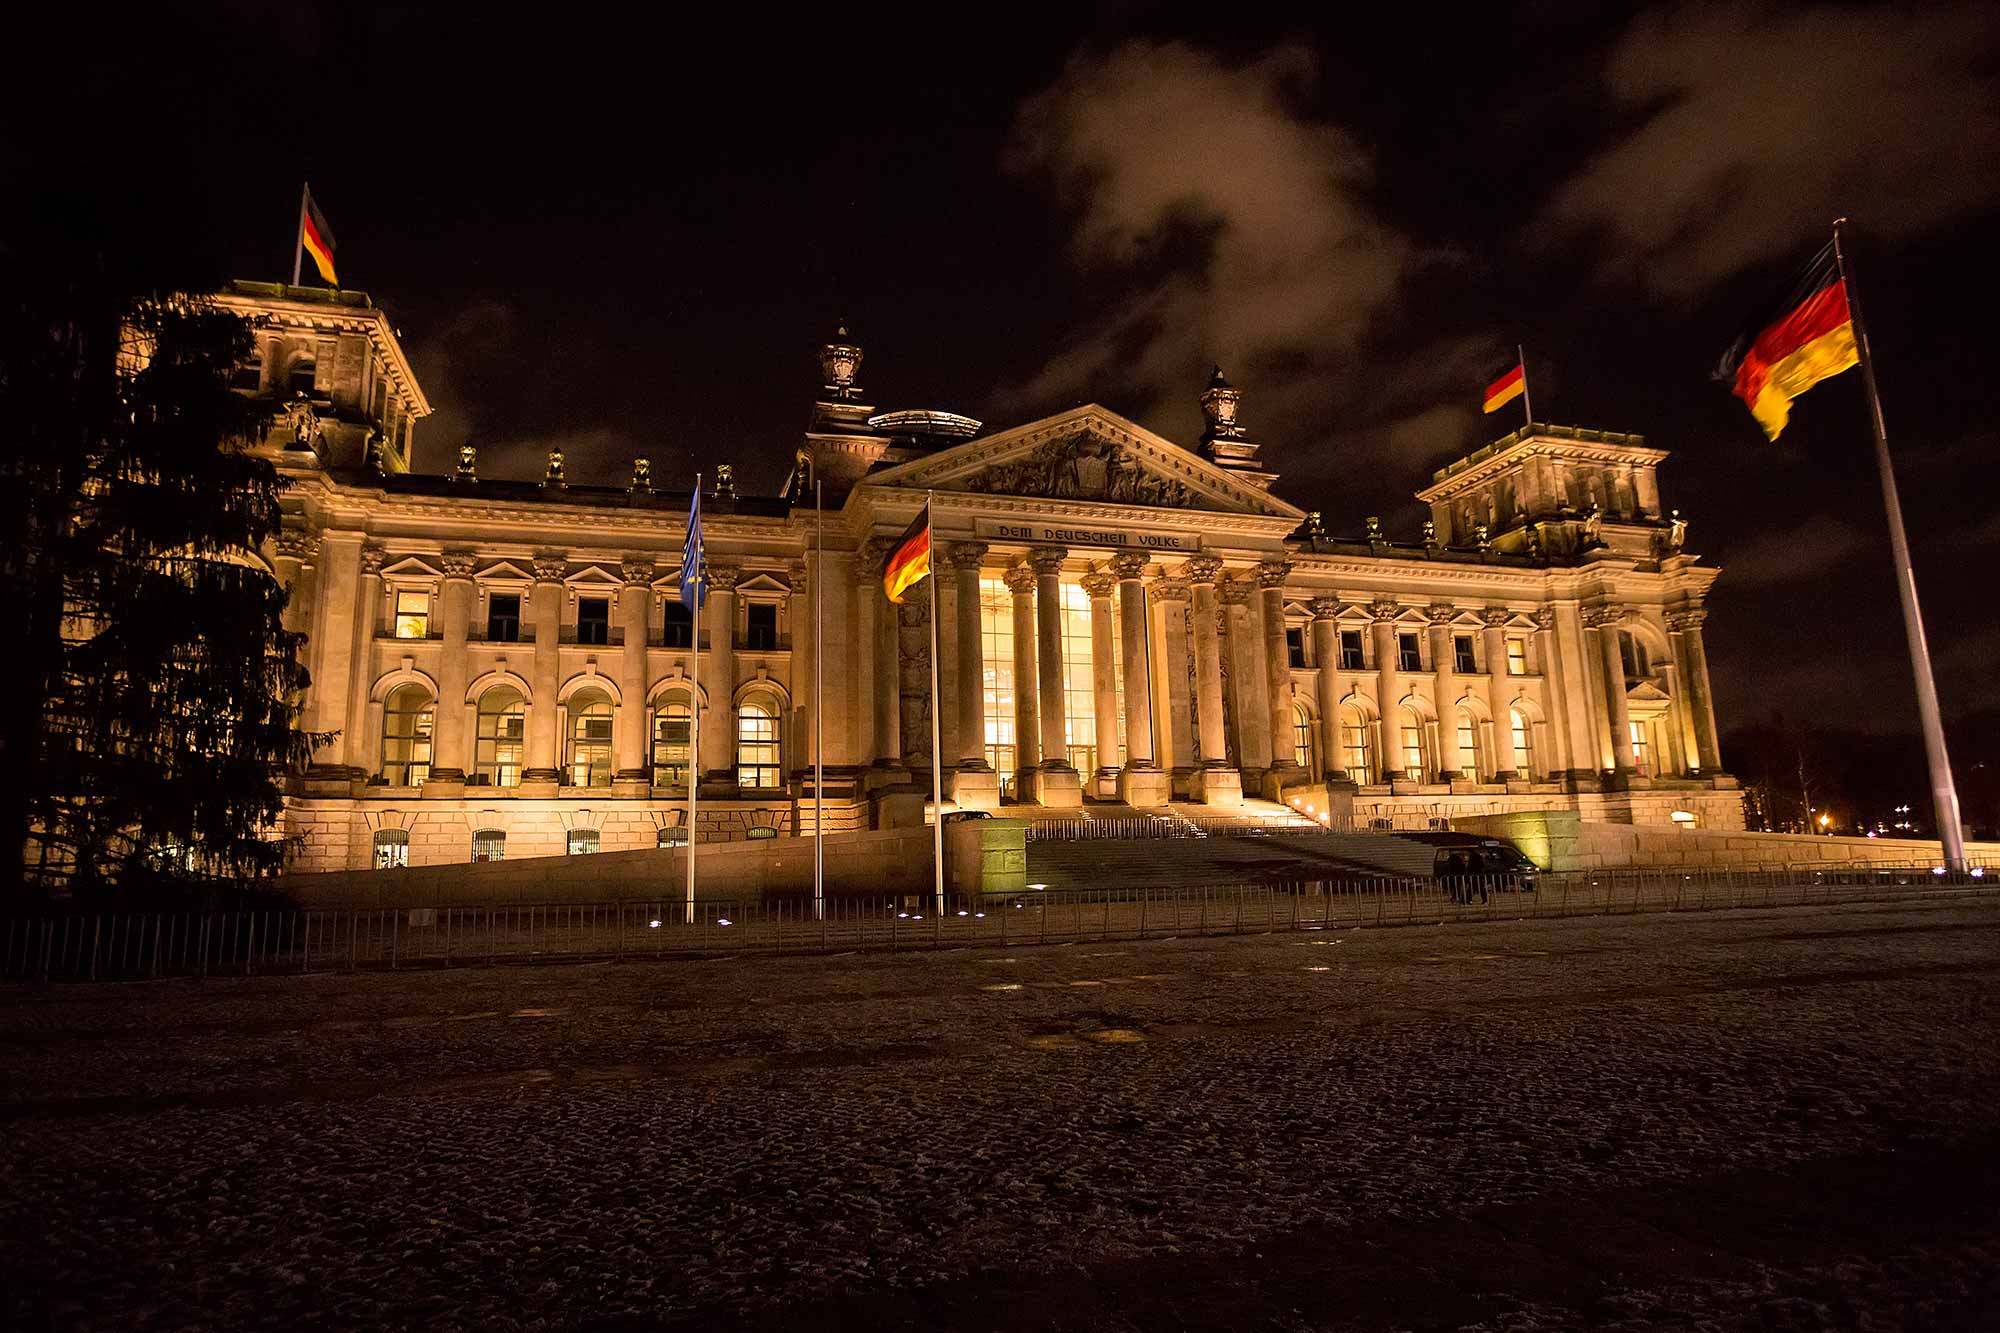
column 396, row 843
column 496, row 622
column 399, row 618
column 766, row 751
column 487, row 754
column 1464, row 654
column 1517, row 655
column 597, row 637
column 491, row 841
column 1357, row 658
column 1409, row 651
column 663, row 712
column 583, row 842
column 422, row 736
column 599, row 757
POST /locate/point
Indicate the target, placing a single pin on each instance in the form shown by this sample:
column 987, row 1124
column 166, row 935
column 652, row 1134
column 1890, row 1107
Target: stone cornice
column 306, row 317
column 1613, row 451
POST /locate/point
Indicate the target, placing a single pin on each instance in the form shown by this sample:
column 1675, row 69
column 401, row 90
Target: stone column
column 448, row 770
column 718, row 678
column 1499, row 692
column 1271, row 577
column 861, row 686
column 1027, row 714
column 1141, row 782
column 1243, row 681
column 1452, row 763
column 1572, row 672
column 1701, row 702
column 1555, row 754
column 1056, row 783
column 1173, row 681
column 975, row 786
column 365, row 735
column 1605, row 620
column 1389, row 748
column 887, row 702
column 539, row 776
column 628, row 735
column 798, row 622
column 1103, row 679
column 1214, row 781
column 1326, row 651
column 340, row 655
column 295, row 559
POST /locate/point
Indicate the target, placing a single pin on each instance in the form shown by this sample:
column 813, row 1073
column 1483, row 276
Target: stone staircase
column 1217, row 857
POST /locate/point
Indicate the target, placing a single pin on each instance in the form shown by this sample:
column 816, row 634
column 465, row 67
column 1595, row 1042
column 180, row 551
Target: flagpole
column 937, row 772
column 694, row 708
column 299, row 239
column 1944, row 793
column 1527, row 399
column 819, row 698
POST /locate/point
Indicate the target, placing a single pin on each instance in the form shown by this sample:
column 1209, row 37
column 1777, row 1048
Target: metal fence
column 81, row 946
column 1091, row 828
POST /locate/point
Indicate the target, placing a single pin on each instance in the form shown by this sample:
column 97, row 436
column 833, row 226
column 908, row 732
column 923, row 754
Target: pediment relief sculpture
column 1083, row 467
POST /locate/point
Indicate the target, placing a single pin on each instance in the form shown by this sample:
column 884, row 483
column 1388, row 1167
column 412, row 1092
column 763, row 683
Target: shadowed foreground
column 1741, row 1119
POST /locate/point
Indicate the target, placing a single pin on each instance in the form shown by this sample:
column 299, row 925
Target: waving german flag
column 1806, row 337
column 317, row 238
column 910, row 558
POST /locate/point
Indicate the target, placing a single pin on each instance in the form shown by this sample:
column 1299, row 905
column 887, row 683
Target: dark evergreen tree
column 157, row 714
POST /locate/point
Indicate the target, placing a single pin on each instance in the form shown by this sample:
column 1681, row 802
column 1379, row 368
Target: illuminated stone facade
column 1122, row 619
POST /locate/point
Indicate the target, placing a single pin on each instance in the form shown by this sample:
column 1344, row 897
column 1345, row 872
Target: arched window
column 1354, row 745
column 1305, row 740
column 408, row 719
column 759, row 832
column 1524, row 743
column 1634, row 652
column 489, row 844
column 303, row 374
column 1410, row 744
column 757, row 743
column 582, row 841
column 503, row 729
column 672, row 723
column 1470, row 761
column 672, row 837
column 588, row 763
column 392, row 848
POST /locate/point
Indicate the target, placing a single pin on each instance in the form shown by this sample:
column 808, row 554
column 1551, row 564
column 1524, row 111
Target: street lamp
column 1824, row 821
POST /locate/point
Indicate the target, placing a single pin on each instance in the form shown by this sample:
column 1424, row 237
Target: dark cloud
column 1761, row 126
column 1809, row 550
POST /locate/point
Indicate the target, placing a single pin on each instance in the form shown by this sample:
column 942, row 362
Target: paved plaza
column 1778, row 1118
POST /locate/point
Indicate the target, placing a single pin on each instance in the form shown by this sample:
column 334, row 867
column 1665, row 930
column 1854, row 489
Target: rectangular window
column 1517, row 655
column 1295, row 645
column 582, row 841
column 1463, row 660
column 1353, row 652
column 489, row 844
column 413, row 615
column 761, row 627
column 593, row 620
column 671, row 728
column 1409, row 652
column 1354, row 741
column 1413, row 753
column 996, row 644
column 392, row 849
column 1524, row 745
column 1640, row 762
column 503, row 617
column 1468, row 747
column 678, row 632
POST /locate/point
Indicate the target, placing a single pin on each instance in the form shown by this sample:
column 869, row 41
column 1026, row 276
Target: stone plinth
column 1059, row 788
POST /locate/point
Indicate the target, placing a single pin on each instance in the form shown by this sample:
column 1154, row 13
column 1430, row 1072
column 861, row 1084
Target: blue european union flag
column 694, row 570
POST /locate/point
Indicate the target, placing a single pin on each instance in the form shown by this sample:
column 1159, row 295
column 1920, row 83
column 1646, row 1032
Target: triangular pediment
column 1089, row 455
column 412, row 567
column 593, row 576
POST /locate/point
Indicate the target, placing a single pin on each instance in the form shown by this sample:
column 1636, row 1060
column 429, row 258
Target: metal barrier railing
column 85, row 946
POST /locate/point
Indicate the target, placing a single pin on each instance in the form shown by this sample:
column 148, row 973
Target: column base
column 883, row 773
column 1145, row 788
column 1058, row 788
column 443, row 784
column 1104, row 782
column 1216, row 786
column 976, row 789
column 539, row 782
column 1278, row 778
column 631, row 782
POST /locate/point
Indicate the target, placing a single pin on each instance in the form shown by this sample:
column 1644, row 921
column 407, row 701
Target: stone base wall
column 1560, row 840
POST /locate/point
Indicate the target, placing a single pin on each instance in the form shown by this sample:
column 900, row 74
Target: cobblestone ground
column 1764, row 1119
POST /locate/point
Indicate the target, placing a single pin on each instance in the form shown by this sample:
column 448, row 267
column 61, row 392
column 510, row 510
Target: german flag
column 1507, row 388
column 1806, row 337
column 317, row 238
column 910, row 559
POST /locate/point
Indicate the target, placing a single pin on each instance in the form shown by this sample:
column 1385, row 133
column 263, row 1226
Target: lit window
column 593, row 620
column 1640, row 763
column 503, row 617
column 1304, row 739
column 1517, row 656
column 671, row 837
column 408, row 719
column 489, row 844
column 996, row 642
column 413, row 614
column 1354, row 745
column 582, row 841
column 1353, row 653
column 757, row 744
column 672, row 731
column 1412, row 732
column 1524, row 743
column 1468, row 745
column 1463, row 660
column 589, row 759
column 1080, row 687
column 503, row 729
column 1409, row 652
column 392, row 848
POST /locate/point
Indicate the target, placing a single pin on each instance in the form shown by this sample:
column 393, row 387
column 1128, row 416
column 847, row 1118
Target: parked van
column 1471, row 867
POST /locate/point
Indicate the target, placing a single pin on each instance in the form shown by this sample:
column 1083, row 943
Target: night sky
column 626, row 239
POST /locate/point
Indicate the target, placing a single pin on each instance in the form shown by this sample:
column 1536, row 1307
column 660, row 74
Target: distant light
column 724, row 921
column 961, row 911
column 1682, row 816
column 1979, row 872
column 1038, row 888
column 654, row 923
column 902, row 916
column 1937, row 870
column 980, row 915
column 918, row 917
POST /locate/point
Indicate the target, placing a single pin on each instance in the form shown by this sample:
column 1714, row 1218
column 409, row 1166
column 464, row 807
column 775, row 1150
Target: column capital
column 798, row 576
column 724, row 578
column 1130, row 564
column 1099, row 584
column 550, row 566
column 373, row 557
column 1687, row 618
column 1020, row 579
column 870, row 557
column 1202, row 568
column 1273, row 573
column 1545, row 617
column 1603, row 617
column 1048, row 559
column 1236, row 592
column 1325, row 608
column 1441, row 613
column 1384, row 609
column 1171, row 589
column 637, row 569
column 458, row 562
column 1495, row 616
column 965, row 555
column 298, row 544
